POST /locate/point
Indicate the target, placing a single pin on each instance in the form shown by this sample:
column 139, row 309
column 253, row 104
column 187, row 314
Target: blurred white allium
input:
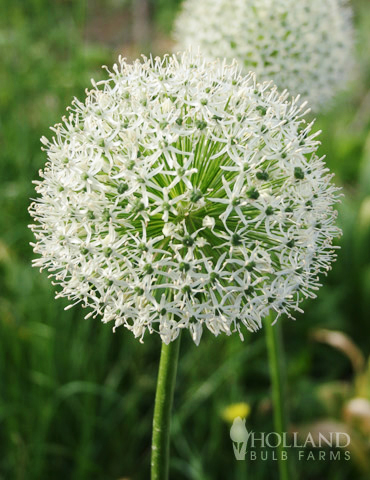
column 303, row 46
column 182, row 195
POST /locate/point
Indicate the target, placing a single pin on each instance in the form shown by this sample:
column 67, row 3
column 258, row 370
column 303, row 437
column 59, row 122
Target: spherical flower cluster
column 303, row 46
column 182, row 195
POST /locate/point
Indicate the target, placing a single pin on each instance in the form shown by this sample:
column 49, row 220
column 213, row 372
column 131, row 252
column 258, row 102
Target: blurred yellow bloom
column 235, row 410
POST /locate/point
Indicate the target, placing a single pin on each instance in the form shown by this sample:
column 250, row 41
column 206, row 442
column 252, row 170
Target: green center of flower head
column 191, row 196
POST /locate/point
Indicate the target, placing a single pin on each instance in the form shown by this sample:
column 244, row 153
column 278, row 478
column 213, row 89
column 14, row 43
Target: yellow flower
column 235, row 410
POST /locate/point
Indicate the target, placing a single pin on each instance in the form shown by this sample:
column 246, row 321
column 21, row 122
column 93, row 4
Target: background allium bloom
column 183, row 195
column 303, row 46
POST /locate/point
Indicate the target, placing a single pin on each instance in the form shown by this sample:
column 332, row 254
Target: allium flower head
column 303, row 46
column 182, row 195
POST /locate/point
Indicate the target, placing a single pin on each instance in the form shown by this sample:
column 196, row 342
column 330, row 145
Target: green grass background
column 76, row 400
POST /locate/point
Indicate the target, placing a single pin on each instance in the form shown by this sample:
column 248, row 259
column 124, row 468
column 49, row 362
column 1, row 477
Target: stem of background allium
column 277, row 373
column 162, row 409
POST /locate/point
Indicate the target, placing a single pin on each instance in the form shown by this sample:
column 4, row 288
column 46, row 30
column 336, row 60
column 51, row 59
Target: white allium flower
column 303, row 46
column 182, row 195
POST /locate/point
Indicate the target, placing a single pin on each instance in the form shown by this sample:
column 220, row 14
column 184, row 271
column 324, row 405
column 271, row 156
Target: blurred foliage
column 76, row 400
column 346, row 403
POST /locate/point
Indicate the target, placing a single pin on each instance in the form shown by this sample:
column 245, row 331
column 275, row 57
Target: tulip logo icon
column 239, row 435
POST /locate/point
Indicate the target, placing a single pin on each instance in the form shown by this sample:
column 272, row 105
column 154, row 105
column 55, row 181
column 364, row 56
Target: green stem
column 277, row 369
column 162, row 410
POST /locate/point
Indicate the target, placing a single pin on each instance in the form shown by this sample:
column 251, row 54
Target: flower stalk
column 277, row 374
column 162, row 410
